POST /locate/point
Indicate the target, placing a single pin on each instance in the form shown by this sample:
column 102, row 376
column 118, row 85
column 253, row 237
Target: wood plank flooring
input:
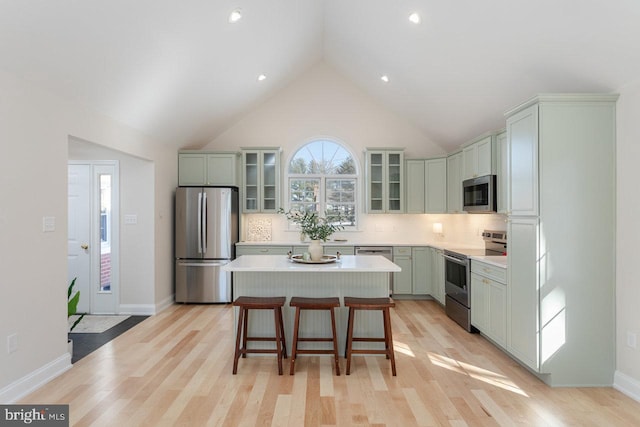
column 174, row 369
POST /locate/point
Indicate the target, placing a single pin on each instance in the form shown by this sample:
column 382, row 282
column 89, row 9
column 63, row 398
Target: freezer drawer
column 202, row 281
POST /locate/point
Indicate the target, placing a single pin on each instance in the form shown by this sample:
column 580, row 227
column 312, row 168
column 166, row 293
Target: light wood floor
column 175, row 369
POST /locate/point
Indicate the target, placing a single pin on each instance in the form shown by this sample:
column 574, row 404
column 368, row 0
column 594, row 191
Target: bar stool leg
column 388, row 338
column 284, row 341
column 350, row 339
column 245, row 317
column 236, row 355
column 335, row 341
column 278, row 327
column 294, row 348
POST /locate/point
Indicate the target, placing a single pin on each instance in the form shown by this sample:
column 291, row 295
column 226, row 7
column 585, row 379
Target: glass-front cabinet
column 261, row 178
column 385, row 185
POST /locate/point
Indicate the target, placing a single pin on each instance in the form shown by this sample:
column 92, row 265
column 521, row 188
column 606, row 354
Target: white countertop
column 498, row 261
column 281, row 263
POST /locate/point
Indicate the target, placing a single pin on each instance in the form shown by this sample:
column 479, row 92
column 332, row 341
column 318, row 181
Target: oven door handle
column 456, row 260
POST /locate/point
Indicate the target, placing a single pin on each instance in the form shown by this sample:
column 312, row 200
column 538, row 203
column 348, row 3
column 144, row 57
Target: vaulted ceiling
column 180, row 70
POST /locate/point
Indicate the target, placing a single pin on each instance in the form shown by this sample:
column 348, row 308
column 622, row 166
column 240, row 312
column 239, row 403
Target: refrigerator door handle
column 204, row 222
column 200, row 222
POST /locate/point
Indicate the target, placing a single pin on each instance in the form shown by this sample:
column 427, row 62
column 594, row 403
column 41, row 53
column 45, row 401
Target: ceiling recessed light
column 385, row 78
column 235, row 16
column 261, row 77
column 415, row 18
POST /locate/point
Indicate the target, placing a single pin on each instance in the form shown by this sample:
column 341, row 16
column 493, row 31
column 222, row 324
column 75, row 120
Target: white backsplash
column 461, row 229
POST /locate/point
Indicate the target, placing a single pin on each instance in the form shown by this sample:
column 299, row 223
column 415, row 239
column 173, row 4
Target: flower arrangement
column 312, row 225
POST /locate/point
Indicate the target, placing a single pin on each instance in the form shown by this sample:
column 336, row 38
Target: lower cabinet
column 489, row 301
column 416, row 275
column 402, row 281
column 436, row 264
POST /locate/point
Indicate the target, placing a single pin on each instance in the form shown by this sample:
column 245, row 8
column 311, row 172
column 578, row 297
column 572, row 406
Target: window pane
column 105, row 232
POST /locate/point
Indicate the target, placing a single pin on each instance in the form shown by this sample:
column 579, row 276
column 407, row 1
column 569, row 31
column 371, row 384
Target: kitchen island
column 277, row 275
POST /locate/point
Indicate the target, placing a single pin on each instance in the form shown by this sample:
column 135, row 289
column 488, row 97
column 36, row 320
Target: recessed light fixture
column 415, row 18
column 261, row 77
column 385, row 78
column 235, row 16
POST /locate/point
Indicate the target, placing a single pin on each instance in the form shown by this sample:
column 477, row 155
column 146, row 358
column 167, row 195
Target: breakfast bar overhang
column 277, row 275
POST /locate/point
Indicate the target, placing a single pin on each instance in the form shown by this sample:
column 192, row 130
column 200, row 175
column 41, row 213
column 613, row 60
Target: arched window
column 323, row 178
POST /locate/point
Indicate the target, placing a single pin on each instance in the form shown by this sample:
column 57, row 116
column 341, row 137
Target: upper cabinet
column 477, row 158
column 385, row 181
column 454, row 183
column 207, row 168
column 261, row 180
column 426, row 183
column 522, row 164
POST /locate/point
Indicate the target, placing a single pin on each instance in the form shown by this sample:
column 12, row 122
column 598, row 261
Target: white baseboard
column 146, row 309
column 627, row 385
column 29, row 383
column 137, row 309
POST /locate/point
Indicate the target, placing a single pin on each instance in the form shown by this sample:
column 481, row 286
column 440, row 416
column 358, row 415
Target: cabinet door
column 502, row 170
column 192, row 169
column 395, row 179
column 251, row 181
column 470, row 162
column 485, row 156
column 221, row 169
column 437, row 275
column 522, row 137
column 497, row 313
column 479, row 302
column 415, row 186
column 421, row 271
column 523, row 296
column 436, row 186
column 402, row 280
column 270, row 169
column 375, row 182
column 454, row 183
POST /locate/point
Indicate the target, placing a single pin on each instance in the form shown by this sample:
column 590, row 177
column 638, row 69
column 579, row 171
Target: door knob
column 85, row 247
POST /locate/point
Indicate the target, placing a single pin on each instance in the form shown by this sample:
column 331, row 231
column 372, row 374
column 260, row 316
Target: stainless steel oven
column 457, row 278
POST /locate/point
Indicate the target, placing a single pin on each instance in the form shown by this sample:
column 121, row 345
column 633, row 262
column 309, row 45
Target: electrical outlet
column 631, row 339
column 12, row 343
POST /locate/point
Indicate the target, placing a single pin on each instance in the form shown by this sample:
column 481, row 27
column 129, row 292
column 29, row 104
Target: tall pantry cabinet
column 561, row 231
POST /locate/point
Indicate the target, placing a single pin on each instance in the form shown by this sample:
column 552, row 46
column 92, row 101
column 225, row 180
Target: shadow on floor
column 84, row 344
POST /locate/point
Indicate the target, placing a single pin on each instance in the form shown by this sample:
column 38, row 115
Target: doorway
column 93, row 234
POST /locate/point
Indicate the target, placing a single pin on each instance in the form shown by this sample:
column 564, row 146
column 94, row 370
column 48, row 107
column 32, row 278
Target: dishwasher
column 385, row 251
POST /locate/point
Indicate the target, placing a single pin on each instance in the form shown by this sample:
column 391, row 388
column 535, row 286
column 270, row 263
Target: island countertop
column 281, row 263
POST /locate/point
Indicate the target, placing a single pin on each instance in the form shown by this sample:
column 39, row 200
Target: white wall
column 35, row 127
column 324, row 103
column 628, row 240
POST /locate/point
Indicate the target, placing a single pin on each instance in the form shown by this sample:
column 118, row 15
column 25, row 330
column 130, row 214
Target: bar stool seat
column 382, row 304
column 302, row 303
column 259, row 303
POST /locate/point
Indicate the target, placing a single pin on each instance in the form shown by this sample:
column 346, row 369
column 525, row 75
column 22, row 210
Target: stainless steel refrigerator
column 206, row 233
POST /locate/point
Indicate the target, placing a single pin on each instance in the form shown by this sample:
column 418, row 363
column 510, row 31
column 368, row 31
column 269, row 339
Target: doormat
column 91, row 324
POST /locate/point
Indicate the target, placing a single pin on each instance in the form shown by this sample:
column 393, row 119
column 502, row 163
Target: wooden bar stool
column 329, row 304
column 382, row 304
column 259, row 303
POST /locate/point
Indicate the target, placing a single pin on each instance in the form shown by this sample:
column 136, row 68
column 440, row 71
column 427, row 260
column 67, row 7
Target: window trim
column 357, row 177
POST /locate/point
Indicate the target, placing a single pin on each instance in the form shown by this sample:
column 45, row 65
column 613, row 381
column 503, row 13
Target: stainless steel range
column 458, row 276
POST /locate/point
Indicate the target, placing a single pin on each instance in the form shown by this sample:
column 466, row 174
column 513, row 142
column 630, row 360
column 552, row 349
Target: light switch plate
column 131, row 219
column 48, row 224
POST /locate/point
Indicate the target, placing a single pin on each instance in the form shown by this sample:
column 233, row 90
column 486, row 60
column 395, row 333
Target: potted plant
column 72, row 308
column 315, row 227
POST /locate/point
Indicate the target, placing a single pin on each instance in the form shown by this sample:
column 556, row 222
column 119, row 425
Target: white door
column 79, row 232
column 93, row 235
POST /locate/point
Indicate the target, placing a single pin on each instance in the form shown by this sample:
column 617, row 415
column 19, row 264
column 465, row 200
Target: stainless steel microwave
column 479, row 194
